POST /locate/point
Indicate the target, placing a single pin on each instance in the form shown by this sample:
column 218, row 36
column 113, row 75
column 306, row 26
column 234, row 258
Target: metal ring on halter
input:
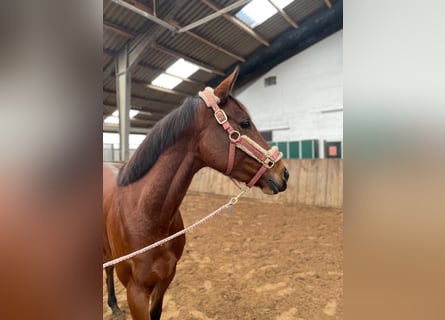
column 237, row 137
column 244, row 143
column 269, row 162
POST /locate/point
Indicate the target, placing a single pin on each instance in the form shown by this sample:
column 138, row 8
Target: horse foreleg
column 158, row 296
column 138, row 298
column 112, row 301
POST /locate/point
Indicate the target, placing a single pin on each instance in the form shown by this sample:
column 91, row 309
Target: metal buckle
column 269, row 162
column 220, row 116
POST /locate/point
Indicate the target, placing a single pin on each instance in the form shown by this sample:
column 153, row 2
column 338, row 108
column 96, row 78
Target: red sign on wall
column 332, row 151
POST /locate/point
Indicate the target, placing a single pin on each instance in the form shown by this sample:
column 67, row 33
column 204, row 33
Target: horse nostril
column 286, row 174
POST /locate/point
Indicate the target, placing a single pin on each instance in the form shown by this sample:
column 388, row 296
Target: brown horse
column 142, row 207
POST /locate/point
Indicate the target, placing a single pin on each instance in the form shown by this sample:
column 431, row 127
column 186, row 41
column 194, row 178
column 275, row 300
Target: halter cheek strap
column 211, row 100
column 266, row 157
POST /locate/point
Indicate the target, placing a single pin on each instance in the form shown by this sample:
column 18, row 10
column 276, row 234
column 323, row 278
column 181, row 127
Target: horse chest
column 154, row 267
column 165, row 263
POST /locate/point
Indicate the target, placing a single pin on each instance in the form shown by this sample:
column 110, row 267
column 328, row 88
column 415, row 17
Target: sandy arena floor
column 266, row 261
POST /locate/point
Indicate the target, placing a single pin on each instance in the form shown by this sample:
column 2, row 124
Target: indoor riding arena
column 271, row 257
column 273, row 122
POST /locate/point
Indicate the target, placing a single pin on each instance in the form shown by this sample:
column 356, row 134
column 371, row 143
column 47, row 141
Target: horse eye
column 245, row 124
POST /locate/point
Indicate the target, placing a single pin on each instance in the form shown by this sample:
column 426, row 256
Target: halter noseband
column 266, row 157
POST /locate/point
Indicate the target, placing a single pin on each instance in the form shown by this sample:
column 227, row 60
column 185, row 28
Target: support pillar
column 123, row 94
column 127, row 57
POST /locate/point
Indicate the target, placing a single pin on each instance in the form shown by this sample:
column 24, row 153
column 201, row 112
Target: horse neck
column 170, row 178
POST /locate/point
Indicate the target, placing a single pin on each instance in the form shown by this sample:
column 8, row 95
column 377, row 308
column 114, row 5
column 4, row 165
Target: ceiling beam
column 147, row 35
column 154, row 115
column 212, row 16
column 147, row 14
column 167, row 104
column 203, row 66
column 119, row 29
column 111, row 53
column 139, row 43
column 174, row 26
column 136, row 45
column 284, row 14
column 164, row 90
column 143, row 123
column 210, row 44
column 238, row 23
column 314, row 28
column 115, row 129
column 155, row 88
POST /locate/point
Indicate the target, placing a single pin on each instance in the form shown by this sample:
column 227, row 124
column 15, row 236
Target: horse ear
column 224, row 89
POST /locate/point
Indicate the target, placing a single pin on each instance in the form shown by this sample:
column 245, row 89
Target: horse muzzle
column 273, row 184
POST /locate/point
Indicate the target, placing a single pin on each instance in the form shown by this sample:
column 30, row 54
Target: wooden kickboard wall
column 313, row 182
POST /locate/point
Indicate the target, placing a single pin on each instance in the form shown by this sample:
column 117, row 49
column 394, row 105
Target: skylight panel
column 111, row 120
column 133, row 113
column 114, row 118
column 182, row 68
column 166, row 81
column 283, row 3
column 258, row 11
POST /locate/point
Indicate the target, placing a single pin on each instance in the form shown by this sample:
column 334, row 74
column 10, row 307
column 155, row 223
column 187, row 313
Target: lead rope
column 228, row 206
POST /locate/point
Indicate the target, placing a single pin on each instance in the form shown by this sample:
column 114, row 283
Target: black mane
column 163, row 134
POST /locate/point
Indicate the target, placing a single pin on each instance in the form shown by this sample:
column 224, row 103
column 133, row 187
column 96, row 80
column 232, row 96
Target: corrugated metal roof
column 273, row 26
column 113, row 41
column 155, row 58
column 220, row 32
column 144, row 74
column 110, row 84
column 299, row 10
column 197, row 50
column 106, row 59
column 202, row 76
column 231, row 38
column 192, row 11
column 121, row 16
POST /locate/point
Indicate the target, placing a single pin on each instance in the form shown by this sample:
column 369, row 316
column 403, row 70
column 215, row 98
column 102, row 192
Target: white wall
column 307, row 83
column 109, row 139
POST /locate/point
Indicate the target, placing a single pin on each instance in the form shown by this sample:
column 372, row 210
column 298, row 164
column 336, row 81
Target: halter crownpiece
column 266, row 157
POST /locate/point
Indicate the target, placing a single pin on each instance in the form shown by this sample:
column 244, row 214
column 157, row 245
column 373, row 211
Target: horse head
column 230, row 143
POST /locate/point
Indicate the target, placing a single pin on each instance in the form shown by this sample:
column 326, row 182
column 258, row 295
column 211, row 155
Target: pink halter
column 266, row 157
